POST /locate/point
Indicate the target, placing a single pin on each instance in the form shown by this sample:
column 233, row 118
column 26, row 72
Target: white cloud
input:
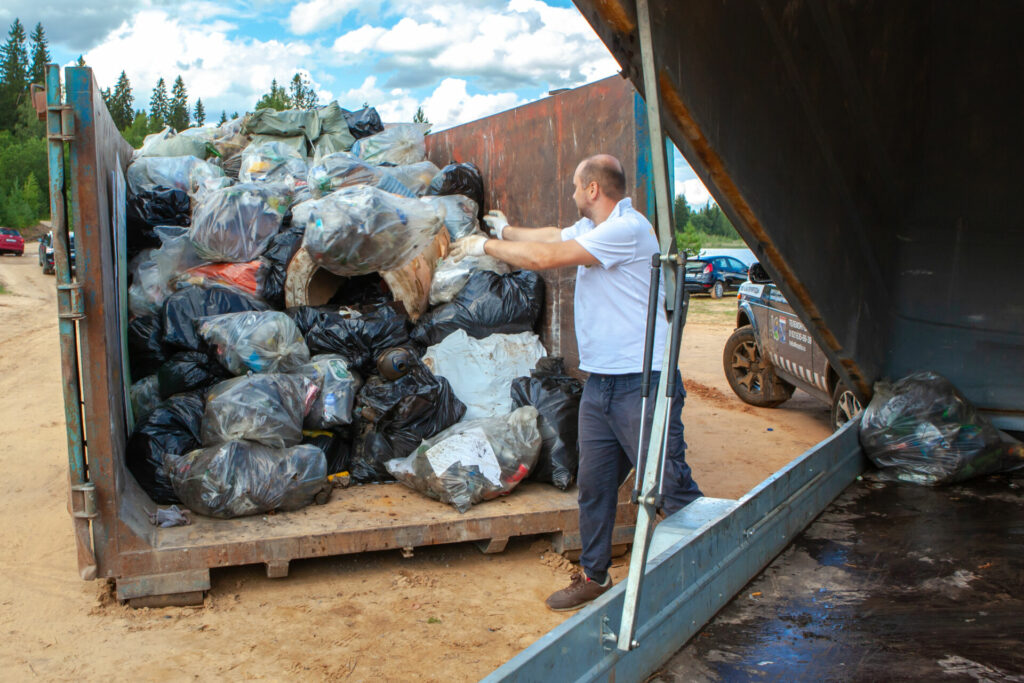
column 450, row 104
column 315, row 15
column 694, row 191
column 394, row 105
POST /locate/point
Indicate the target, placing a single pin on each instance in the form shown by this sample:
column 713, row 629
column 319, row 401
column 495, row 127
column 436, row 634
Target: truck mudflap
column 700, row 557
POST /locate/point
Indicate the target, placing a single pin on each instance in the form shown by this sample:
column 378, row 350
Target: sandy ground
column 449, row 613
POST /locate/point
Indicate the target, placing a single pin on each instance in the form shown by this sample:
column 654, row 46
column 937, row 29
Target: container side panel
column 95, row 151
column 527, row 157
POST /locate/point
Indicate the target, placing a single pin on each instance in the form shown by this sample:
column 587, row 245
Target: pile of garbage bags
column 241, row 406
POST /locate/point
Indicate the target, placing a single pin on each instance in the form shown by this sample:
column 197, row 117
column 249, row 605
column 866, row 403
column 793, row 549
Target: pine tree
column 223, row 118
column 200, row 112
column 40, row 55
column 420, row 116
column 14, row 59
column 81, row 60
column 177, row 113
column 277, row 98
column 301, row 92
column 122, row 108
column 158, row 106
column 234, row 116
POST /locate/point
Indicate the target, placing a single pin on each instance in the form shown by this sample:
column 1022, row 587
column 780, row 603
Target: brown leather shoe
column 580, row 591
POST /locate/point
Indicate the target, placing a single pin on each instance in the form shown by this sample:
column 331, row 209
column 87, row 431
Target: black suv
column 714, row 275
column 771, row 353
column 46, row 261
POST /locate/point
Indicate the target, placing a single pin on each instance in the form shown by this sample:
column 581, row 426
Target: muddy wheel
column 845, row 406
column 750, row 375
column 718, row 291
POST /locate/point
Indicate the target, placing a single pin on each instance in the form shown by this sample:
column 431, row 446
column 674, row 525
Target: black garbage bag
column 184, row 307
column 464, row 179
column 489, row 304
column 267, row 408
column 336, row 445
column 397, row 415
column 922, row 430
column 307, row 317
column 188, row 371
column 150, row 208
column 277, row 257
column 173, row 427
column 473, row 461
column 242, row 478
column 145, row 345
column 363, row 123
column 556, row 396
column 359, row 340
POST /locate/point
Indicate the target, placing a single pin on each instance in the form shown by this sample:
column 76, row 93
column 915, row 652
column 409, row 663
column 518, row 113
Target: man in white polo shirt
column 611, row 245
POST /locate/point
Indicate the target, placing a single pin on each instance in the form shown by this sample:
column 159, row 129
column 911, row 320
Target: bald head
column 607, row 172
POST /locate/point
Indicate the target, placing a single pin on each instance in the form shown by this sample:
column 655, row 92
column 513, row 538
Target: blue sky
column 458, row 59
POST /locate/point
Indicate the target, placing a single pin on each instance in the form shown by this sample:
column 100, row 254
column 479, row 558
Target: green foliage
column 277, row 98
column 23, row 175
column 177, row 110
column 234, row 116
column 40, row 55
column 681, row 213
column 200, row 112
column 223, row 118
column 81, row 60
column 688, row 240
column 13, row 75
column 301, row 93
column 121, row 103
column 159, row 107
column 138, row 130
column 713, row 221
column 420, row 117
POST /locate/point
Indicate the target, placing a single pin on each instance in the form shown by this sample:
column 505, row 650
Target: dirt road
column 449, row 613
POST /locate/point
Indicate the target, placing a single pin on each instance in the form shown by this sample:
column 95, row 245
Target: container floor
column 891, row 582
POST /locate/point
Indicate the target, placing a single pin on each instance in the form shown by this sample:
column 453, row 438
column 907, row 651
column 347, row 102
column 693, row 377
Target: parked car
column 714, row 275
column 46, row 261
column 11, row 242
column 771, row 353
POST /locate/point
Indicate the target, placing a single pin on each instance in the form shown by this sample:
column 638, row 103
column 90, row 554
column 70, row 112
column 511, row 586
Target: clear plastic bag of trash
column 922, row 430
column 396, row 415
column 152, row 280
column 416, row 176
column 172, row 427
column 460, row 179
column 338, row 385
column 185, row 306
column 184, row 173
column 256, row 341
column 481, row 370
column 474, row 461
column 267, row 408
column 397, row 144
column 145, row 396
column 556, row 396
column 451, row 276
column 361, row 230
column 272, row 161
column 153, row 139
column 342, row 169
column 460, row 214
column 488, row 304
column 237, row 223
column 240, row 478
column 287, row 123
column 181, row 145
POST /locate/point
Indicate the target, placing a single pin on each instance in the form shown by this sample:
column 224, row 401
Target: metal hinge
column 71, row 308
column 67, row 123
column 83, row 500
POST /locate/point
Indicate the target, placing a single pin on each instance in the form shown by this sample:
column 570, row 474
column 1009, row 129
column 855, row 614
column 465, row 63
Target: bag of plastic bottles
column 922, row 430
column 184, row 173
column 256, row 341
column 341, row 169
column 237, row 223
column 416, row 176
column 185, row 306
column 488, row 304
column 153, row 279
column 451, row 276
column 273, row 161
column 338, row 389
column 361, row 230
column 177, row 146
column 172, row 427
column 265, row 408
column 460, row 214
column 363, row 122
column 464, row 179
column 481, row 370
column 556, row 396
column 188, row 371
column 397, row 144
column 287, row 123
column 473, row 461
column 396, row 415
column 239, row 478
column 359, row 339
column 145, row 396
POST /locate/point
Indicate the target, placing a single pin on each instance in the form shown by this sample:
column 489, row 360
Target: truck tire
column 750, row 375
column 718, row 291
column 845, row 406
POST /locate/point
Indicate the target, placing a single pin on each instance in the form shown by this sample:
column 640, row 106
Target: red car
column 11, row 242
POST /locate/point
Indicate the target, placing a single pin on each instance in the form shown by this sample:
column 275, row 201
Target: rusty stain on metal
column 720, row 177
column 616, row 15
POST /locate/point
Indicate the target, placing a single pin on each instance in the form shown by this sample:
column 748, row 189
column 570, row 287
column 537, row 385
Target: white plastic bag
column 151, row 283
column 183, row 173
column 481, row 370
column 460, row 214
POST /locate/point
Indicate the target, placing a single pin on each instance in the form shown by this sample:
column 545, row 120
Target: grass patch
column 3, row 289
column 704, row 309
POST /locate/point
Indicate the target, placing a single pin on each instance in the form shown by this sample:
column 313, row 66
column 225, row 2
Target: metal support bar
column 70, row 308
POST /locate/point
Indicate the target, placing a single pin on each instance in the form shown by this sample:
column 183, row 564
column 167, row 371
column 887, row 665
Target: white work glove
column 496, row 221
column 472, row 245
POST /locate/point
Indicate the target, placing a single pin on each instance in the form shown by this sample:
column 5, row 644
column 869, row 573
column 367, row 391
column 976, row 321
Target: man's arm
column 514, row 234
column 540, row 255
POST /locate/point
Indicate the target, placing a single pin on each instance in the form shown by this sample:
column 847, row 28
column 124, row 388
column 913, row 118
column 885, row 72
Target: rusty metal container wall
column 869, row 154
column 527, row 157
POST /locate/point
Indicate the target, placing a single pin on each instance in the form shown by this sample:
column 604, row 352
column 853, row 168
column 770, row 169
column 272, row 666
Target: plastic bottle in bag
column 451, row 276
column 185, row 306
column 338, row 385
column 237, row 223
column 460, row 179
column 266, row 408
column 460, row 214
column 257, row 341
column 397, row 144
